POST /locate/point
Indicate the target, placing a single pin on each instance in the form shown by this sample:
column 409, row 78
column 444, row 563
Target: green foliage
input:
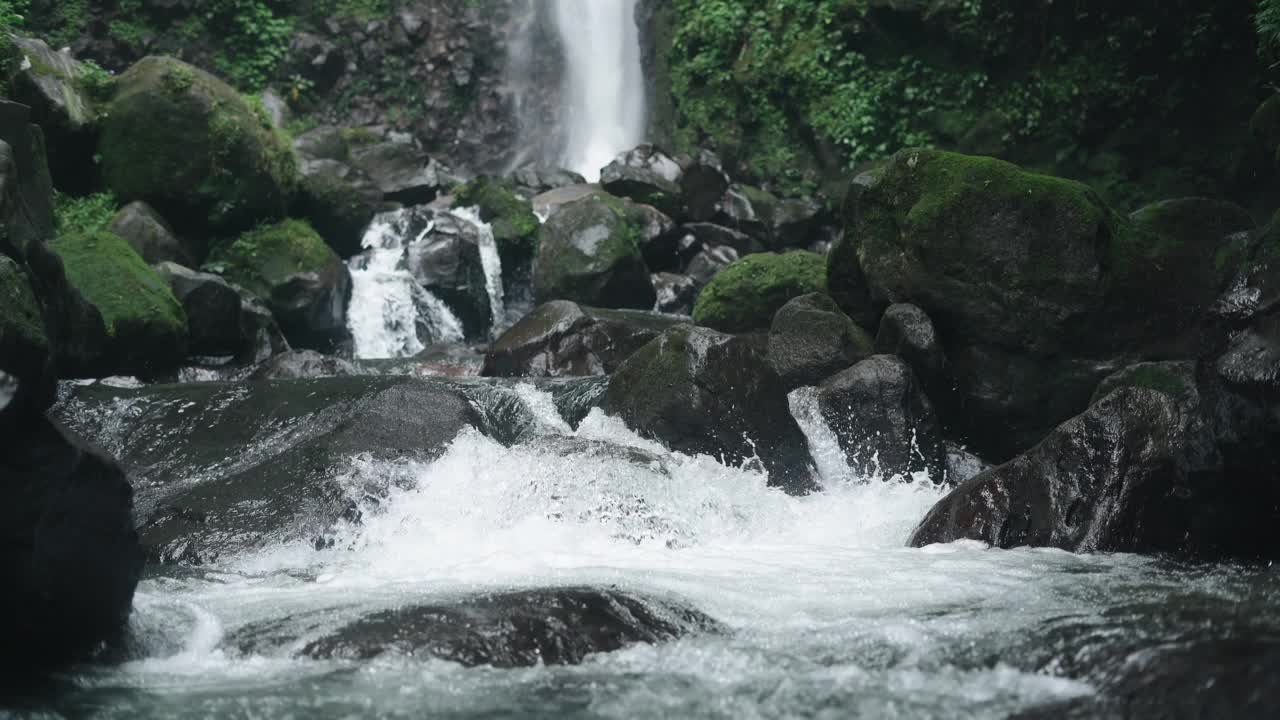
column 362, row 10
column 117, row 281
column 1268, row 23
column 12, row 14
column 83, row 214
column 510, row 214
column 57, row 22
column 256, row 40
column 745, row 295
column 96, row 82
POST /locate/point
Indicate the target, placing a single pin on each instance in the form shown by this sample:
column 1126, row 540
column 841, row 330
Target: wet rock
column 1162, row 461
column 646, row 175
column 962, row 465
column 159, row 144
column 701, row 391
column 304, row 283
column 538, row 179
column 300, row 364
column 748, row 210
column 709, row 262
column 676, row 293
column 212, row 307
column 883, row 420
column 710, row 235
column 339, row 201
column 589, row 254
column 549, row 203
column 811, row 340
column 797, row 223
column 447, row 262
column 702, row 185
column 746, row 294
column 561, row 338
column 71, row 559
column 402, row 172
column 906, row 331
column 525, row 628
column 261, row 334
column 211, row 461
column 150, row 236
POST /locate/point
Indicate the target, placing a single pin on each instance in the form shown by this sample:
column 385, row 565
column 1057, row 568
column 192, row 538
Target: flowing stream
column 825, row 612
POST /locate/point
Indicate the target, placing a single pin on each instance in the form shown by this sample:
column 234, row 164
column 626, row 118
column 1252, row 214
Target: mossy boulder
column 145, row 326
column 589, row 253
column 339, row 202
column 302, row 280
column 515, row 227
column 57, row 87
column 648, row 176
column 745, row 295
column 191, row 146
column 811, row 339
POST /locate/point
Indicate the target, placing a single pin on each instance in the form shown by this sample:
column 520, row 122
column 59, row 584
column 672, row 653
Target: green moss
column 1174, row 379
column 21, row 320
column 359, row 137
column 114, row 279
column 510, row 214
column 268, row 256
column 745, row 295
column 186, row 142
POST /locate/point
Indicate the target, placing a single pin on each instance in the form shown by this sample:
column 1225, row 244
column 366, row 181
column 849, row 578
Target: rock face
column 562, row 338
column 447, row 261
column 212, row 484
column 188, row 144
column 701, row 391
column 811, row 340
column 1162, row 461
column 150, row 236
column 745, row 295
column 646, row 175
column 303, row 282
column 71, row 559
column 516, row 629
column 144, row 328
column 212, row 308
column 589, row 254
column 883, row 420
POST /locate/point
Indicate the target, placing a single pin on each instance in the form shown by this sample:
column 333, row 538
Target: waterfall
column 603, row 87
column 580, row 112
column 390, row 312
column 492, row 263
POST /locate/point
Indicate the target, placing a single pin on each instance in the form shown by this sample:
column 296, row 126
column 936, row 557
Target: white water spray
column 603, row 88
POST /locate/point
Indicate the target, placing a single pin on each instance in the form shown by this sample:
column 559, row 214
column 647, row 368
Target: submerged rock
column 301, row 364
column 811, row 340
column 562, row 338
column 701, row 391
column 524, row 628
column 212, row 461
column 589, row 253
column 745, row 295
column 883, row 420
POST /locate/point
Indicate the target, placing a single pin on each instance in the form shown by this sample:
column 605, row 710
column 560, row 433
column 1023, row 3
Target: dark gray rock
column 883, row 420
column 797, row 223
column 51, row 83
column 589, row 254
column 676, row 293
column 447, row 262
column 211, row 483
column 148, row 234
column 561, row 338
column 748, row 210
column 404, row 173
column 812, row 339
column 339, row 201
column 212, row 307
column 560, row 626
column 646, row 175
column 906, row 331
column 709, row 262
column 263, row 337
column 702, row 185
column 701, row 391
column 538, row 179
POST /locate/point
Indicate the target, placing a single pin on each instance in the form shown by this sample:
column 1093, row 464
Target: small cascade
column 391, row 315
column 492, row 266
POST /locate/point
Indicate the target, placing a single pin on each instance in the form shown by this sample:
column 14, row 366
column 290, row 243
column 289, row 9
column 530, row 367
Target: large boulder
column 561, row 338
column 211, row 484
column 525, row 628
column 402, row 171
column 1162, row 461
column 339, row 202
column 906, row 331
column 188, row 144
column 811, row 339
column 143, row 325
column 447, row 260
column 70, row 558
column 589, row 253
column 212, row 308
column 54, row 84
column 745, row 295
column 302, row 280
column 646, row 175
column 150, row 236
column 883, row 420
column 701, row 391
